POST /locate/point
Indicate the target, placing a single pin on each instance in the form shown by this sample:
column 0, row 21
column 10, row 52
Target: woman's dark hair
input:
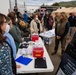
column 34, row 15
column 15, row 9
column 12, row 16
column 2, row 17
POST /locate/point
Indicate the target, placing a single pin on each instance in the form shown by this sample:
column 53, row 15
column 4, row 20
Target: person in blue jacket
column 9, row 37
column 10, row 40
column 25, row 16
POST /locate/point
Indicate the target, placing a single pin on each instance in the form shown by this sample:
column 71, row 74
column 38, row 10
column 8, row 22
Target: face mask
column 7, row 28
column 36, row 18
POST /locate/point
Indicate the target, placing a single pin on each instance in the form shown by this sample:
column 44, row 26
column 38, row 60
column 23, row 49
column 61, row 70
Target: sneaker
column 53, row 53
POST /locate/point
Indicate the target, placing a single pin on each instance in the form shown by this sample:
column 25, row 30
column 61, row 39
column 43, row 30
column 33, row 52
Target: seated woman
column 5, row 50
column 23, row 26
column 9, row 38
column 35, row 25
column 14, row 31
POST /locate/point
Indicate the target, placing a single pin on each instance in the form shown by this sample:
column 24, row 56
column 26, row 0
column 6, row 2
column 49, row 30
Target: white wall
column 4, row 6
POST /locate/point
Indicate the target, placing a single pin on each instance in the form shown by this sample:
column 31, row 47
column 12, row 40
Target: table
column 30, row 67
column 47, row 35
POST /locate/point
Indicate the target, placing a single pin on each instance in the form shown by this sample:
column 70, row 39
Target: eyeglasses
column 5, row 22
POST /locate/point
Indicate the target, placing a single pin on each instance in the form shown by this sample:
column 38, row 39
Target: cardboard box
column 38, row 52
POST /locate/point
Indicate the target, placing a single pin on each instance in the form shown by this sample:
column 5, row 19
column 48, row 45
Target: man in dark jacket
column 72, row 21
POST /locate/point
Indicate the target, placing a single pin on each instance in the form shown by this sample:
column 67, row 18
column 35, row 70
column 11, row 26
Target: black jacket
column 72, row 21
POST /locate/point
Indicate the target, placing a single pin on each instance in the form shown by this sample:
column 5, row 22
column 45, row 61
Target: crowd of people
column 15, row 27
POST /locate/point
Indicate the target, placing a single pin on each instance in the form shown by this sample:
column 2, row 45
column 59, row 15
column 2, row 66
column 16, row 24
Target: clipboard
column 40, row 63
column 23, row 60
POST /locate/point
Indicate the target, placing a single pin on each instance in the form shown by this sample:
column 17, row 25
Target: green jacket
column 15, row 32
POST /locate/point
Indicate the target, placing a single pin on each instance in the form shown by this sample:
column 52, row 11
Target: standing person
column 35, row 25
column 50, row 22
column 18, row 14
column 57, row 18
column 45, row 19
column 25, row 16
column 73, row 41
column 30, row 18
column 61, row 31
column 72, row 21
column 5, row 50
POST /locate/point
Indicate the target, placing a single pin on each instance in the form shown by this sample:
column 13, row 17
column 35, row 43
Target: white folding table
column 30, row 67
